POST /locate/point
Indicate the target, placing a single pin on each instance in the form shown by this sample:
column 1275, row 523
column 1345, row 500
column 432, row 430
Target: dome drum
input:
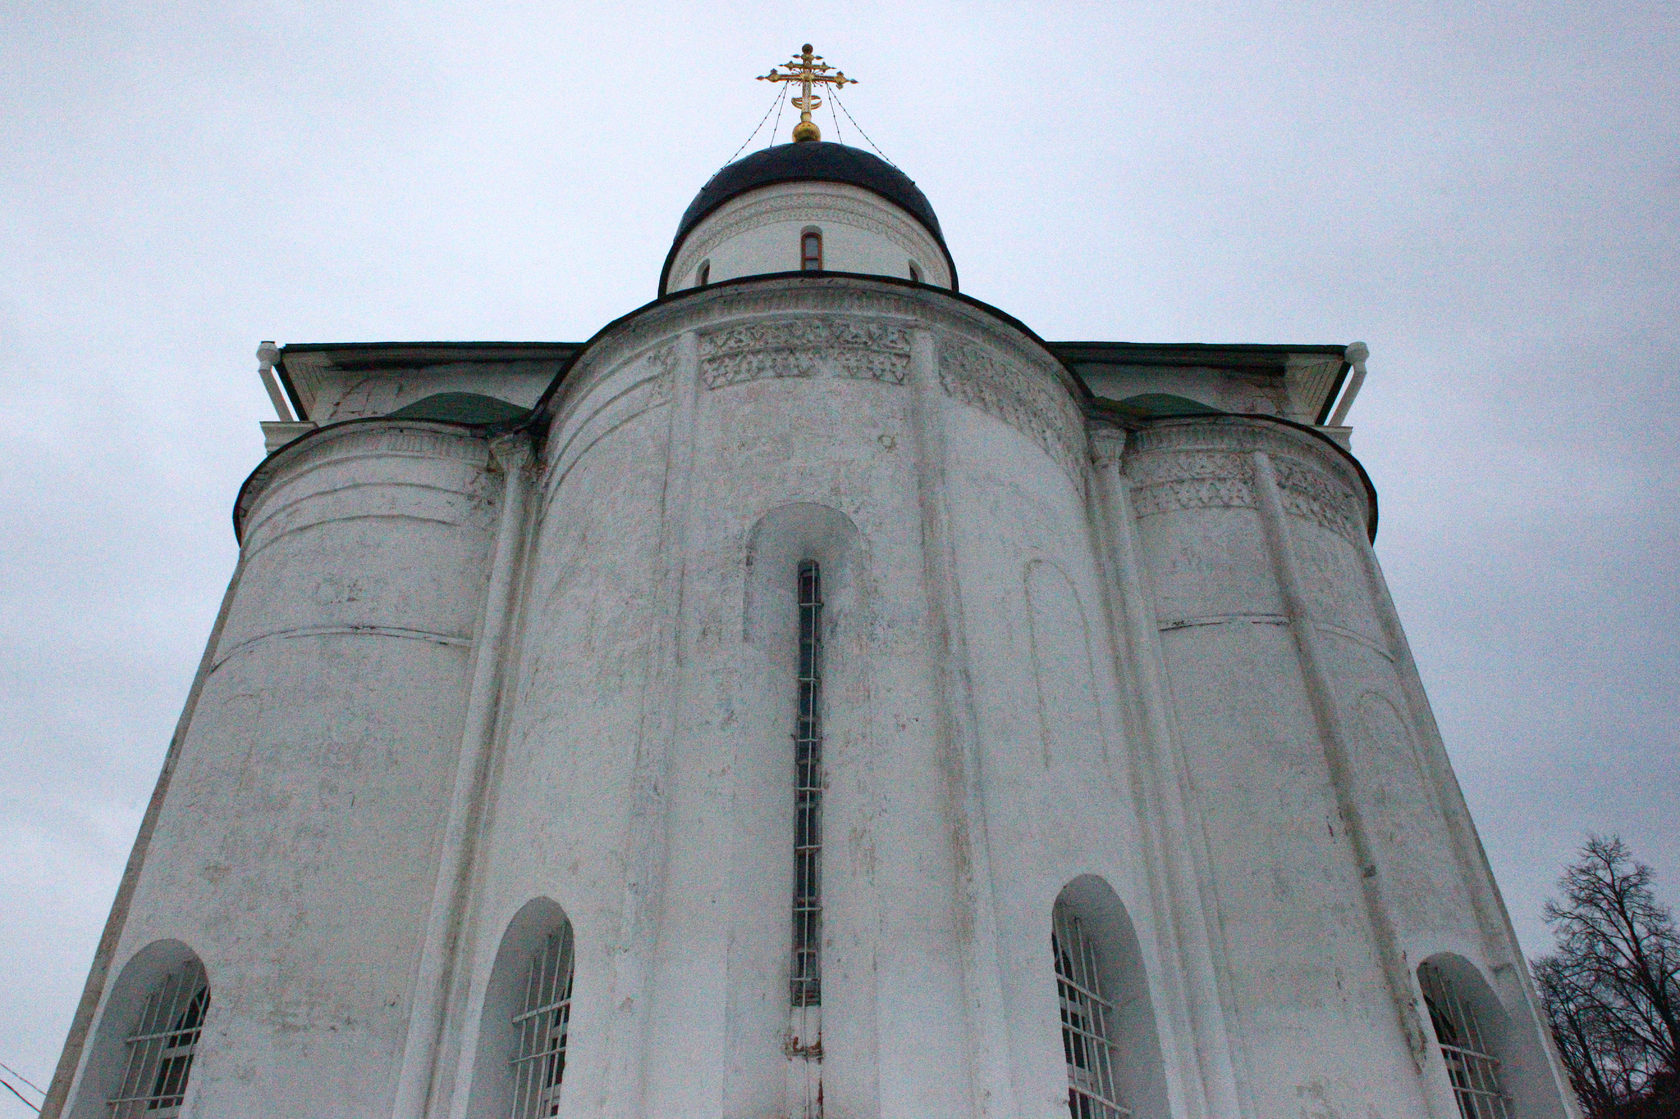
column 752, row 218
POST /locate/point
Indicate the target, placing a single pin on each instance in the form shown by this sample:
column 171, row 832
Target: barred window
column 1088, row 1038
column 1471, row 1066
column 810, row 250
column 162, row 1046
column 540, row 1027
column 805, row 967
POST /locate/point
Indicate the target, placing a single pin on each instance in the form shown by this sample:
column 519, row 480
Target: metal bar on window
column 542, row 1024
column 1472, row 1069
column 1088, row 1030
column 161, row 1048
column 805, row 966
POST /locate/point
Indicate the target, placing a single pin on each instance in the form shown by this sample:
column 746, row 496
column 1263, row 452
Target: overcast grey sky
column 1488, row 194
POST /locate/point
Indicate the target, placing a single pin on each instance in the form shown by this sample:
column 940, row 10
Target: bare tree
column 1612, row 987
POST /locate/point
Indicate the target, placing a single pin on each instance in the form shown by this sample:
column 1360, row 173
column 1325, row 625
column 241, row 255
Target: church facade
column 815, row 695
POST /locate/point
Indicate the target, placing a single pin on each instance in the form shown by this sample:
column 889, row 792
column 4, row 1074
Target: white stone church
column 815, row 696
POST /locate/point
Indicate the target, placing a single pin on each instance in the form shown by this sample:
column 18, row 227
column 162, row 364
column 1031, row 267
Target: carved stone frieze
column 1026, row 399
column 1208, row 464
column 861, row 349
column 1309, row 493
column 1191, row 480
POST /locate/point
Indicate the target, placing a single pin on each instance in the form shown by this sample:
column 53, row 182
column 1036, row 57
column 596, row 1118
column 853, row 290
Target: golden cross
column 808, row 70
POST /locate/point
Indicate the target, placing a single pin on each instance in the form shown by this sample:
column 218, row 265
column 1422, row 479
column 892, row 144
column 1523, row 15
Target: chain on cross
column 808, row 70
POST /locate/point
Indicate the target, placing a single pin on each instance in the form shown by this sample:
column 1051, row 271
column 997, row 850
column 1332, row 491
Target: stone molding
column 394, row 437
column 354, row 439
column 427, row 636
column 1108, row 444
column 860, row 349
column 867, row 213
column 597, row 412
column 1205, row 464
column 1014, row 392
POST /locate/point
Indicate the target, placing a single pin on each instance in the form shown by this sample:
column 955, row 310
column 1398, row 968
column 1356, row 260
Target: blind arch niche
column 796, row 913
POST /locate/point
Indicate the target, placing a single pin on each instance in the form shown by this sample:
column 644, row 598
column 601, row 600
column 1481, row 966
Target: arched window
column 519, row 1066
column 1466, row 1047
column 703, row 274
column 161, row 1046
column 805, row 967
column 810, row 251
column 541, row 1023
column 915, row 273
column 1088, row 1027
column 1110, row 1045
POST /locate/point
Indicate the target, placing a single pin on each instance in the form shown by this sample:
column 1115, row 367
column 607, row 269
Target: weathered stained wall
column 295, row 851
column 1153, row 670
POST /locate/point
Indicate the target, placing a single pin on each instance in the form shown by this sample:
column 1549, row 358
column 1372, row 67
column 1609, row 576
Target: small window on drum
column 915, row 273
column 810, row 251
column 703, row 274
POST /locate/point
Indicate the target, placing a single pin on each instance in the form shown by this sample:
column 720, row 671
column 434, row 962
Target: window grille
column 1473, row 1070
column 805, row 968
column 810, row 251
column 161, row 1048
column 541, row 1023
column 1087, row 1022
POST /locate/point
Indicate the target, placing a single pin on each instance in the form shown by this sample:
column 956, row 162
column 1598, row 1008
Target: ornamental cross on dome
column 808, row 70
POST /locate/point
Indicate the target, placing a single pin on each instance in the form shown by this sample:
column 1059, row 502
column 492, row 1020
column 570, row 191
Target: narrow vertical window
column 1087, row 1021
column 915, row 273
column 810, row 251
column 703, row 274
column 162, row 1046
column 1471, row 1066
column 805, row 972
column 540, row 1024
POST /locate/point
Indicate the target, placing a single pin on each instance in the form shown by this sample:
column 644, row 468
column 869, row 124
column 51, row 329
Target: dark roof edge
column 1241, row 355
column 398, row 351
column 1279, row 349
column 319, row 347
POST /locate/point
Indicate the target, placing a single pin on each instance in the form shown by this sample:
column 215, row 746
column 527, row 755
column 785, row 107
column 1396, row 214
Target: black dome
column 809, row 161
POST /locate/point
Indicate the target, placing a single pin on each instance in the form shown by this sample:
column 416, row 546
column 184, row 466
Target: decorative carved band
column 1201, row 465
column 1191, row 480
column 1018, row 396
column 1312, row 495
column 867, row 350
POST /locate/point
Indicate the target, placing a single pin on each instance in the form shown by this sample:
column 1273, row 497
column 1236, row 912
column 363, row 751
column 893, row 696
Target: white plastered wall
column 1041, row 667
